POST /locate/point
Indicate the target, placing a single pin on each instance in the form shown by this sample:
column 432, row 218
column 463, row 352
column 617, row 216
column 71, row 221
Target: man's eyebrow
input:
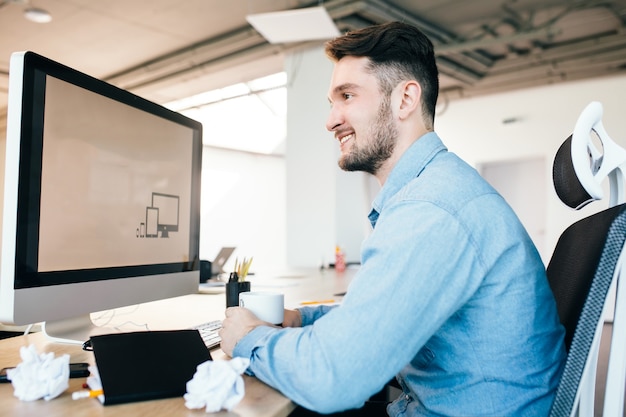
column 344, row 87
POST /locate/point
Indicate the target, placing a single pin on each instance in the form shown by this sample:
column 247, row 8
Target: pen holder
column 233, row 289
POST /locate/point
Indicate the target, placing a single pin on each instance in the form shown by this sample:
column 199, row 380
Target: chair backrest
column 587, row 262
column 574, row 264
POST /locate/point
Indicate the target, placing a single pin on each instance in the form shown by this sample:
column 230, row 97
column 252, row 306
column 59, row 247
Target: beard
column 370, row 156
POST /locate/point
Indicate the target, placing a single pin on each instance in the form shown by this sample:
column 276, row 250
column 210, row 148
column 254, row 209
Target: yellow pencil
column 305, row 303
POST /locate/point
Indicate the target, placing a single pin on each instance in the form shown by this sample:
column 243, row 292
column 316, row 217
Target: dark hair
column 397, row 52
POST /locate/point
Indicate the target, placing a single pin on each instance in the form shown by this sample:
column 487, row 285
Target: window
column 247, row 116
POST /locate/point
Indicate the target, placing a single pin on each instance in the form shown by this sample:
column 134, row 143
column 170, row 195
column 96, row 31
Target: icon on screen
column 161, row 216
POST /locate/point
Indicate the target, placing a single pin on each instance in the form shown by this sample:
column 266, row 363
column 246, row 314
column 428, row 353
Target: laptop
column 217, row 266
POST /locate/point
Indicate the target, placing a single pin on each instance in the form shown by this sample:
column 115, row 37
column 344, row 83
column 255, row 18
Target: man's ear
column 411, row 99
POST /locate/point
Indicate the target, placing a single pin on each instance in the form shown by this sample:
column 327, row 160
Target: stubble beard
column 370, row 156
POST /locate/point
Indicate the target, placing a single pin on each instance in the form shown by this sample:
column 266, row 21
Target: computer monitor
column 93, row 176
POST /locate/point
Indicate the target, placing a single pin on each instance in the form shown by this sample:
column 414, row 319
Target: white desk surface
column 176, row 313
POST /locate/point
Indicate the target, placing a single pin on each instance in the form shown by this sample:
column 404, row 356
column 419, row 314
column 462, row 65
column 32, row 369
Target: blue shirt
column 451, row 298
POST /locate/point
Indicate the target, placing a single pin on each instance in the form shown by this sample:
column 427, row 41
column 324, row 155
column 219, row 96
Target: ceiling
column 168, row 49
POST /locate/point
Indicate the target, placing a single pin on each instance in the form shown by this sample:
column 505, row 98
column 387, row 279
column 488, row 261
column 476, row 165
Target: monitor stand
column 74, row 330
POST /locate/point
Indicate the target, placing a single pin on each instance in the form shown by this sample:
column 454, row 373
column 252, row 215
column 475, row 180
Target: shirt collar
column 411, row 163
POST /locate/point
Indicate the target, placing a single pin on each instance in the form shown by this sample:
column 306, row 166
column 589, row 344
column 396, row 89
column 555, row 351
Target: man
column 451, row 296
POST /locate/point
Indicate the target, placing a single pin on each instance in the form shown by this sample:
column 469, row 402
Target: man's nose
column 334, row 120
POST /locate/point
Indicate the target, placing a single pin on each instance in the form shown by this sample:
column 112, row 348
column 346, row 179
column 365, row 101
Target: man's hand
column 292, row 318
column 239, row 322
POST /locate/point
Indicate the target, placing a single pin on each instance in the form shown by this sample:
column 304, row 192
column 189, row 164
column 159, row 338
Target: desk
column 176, row 313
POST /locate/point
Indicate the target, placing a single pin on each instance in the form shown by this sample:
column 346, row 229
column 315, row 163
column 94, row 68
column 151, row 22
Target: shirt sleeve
column 395, row 303
column 310, row 314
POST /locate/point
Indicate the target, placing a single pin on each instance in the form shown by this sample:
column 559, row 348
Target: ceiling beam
column 465, row 46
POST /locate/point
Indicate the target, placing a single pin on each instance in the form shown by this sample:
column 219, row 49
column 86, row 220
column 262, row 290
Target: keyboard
column 208, row 331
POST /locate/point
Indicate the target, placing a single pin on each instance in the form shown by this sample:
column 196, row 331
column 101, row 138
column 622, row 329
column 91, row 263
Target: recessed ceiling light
column 37, row 15
column 298, row 25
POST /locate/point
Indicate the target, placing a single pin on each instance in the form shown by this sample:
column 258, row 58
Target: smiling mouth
column 346, row 138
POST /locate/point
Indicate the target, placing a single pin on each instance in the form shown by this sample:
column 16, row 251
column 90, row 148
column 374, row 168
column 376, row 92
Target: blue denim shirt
column 451, row 298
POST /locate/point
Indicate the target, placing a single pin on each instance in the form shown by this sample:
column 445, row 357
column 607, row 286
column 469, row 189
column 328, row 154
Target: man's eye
column 347, row 96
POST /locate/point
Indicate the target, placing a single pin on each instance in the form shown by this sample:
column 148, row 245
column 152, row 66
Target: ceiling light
column 37, row 15
column 298, row 25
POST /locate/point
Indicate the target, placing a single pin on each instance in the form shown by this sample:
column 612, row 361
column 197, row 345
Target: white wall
column 309, row 159
column 243, row 205
column 473, row 129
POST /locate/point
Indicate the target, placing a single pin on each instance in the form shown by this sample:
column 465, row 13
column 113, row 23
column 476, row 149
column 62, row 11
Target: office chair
column 586, row 266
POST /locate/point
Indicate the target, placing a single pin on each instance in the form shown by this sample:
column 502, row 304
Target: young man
column 451, row 296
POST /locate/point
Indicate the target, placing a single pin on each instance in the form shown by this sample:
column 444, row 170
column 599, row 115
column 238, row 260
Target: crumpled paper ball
column 39, row 375
column 217, row 385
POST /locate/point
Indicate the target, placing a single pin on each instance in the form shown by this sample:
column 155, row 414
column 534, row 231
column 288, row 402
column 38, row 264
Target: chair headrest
column 566, row 183
column 580, row 168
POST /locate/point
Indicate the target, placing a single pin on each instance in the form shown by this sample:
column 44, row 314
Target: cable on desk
column 114, row 313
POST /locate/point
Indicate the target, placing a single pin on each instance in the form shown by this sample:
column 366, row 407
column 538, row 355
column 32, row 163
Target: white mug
column 267, row 306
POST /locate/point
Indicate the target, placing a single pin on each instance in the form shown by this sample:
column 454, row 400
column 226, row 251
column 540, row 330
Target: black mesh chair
column 586, row 265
